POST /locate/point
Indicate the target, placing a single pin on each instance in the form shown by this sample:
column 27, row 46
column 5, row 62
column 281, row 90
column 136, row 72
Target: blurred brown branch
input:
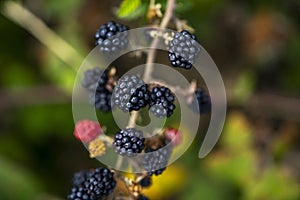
column 32, row 96
column 272, row 105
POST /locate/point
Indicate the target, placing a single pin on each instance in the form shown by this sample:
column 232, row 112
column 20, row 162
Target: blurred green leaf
column 128, row 8
column 17, row 183
column 244, row 87
column 272, row 184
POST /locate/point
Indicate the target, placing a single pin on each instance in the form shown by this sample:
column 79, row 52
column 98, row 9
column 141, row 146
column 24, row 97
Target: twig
column 24, row 18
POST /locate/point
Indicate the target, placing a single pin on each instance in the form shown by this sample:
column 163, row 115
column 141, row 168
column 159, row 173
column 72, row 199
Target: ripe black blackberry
column 105, row 40
column 79, row 177
column 146, row 181
column 96, row 185
column 142, row 197
column 202, row 103
column 129, row 142
column 101, row 99
column 123, row 91
column 155, row 161
column 139, row 99
column 94, row 78
column 162, row 102
column 183, row 49
column 95, row 81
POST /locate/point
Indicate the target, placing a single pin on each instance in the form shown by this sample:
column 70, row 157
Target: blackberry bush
column 130, row 93
column 129, row 142
column 162, row 102
column 125, row 88
column 105, row 40
column 183, row 50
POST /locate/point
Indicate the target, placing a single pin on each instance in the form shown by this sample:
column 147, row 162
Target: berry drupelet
column 155, row 161
column 162, row 102
column 183, row 49
column 105, row 39
column 93, row 185
column 140, row 98
column 202, row 103
column 125, row 88
column 129, row 142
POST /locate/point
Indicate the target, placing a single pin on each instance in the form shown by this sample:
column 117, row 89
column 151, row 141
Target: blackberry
column 95, row 81
column 101, row 99
column 94, row 78
column 129, row 142
column 142, row 197
column 162, row 102
column 92, row 185
column 156, row 161
column 146, row 181
column 79, row 177
column 105, row 40
column 123, row 91
column 140, row 98
column 183, row 49
column 202, row 103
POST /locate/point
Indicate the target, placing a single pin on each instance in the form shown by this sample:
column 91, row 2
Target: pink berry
column 87, row 130
column 173, row 135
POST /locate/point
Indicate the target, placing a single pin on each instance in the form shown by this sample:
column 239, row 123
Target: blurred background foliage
column 255, row 44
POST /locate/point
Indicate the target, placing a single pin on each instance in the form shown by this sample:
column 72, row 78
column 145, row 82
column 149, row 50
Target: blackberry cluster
column 202, row 103
column 125, row 88
column 92, row 185
column 183, row 49
column 140, row 98
column 129, row 142
column 95, row 81
column 105, row 40
column 162, row 102
column 156, row 162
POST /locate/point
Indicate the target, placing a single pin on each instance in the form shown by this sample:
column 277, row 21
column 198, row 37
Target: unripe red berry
column 87, row 130
column 173, row 135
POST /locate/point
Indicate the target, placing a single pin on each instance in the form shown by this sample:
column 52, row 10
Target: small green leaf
column 128, row 7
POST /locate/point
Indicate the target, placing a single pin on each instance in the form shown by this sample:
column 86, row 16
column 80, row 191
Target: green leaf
column 128, row 7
